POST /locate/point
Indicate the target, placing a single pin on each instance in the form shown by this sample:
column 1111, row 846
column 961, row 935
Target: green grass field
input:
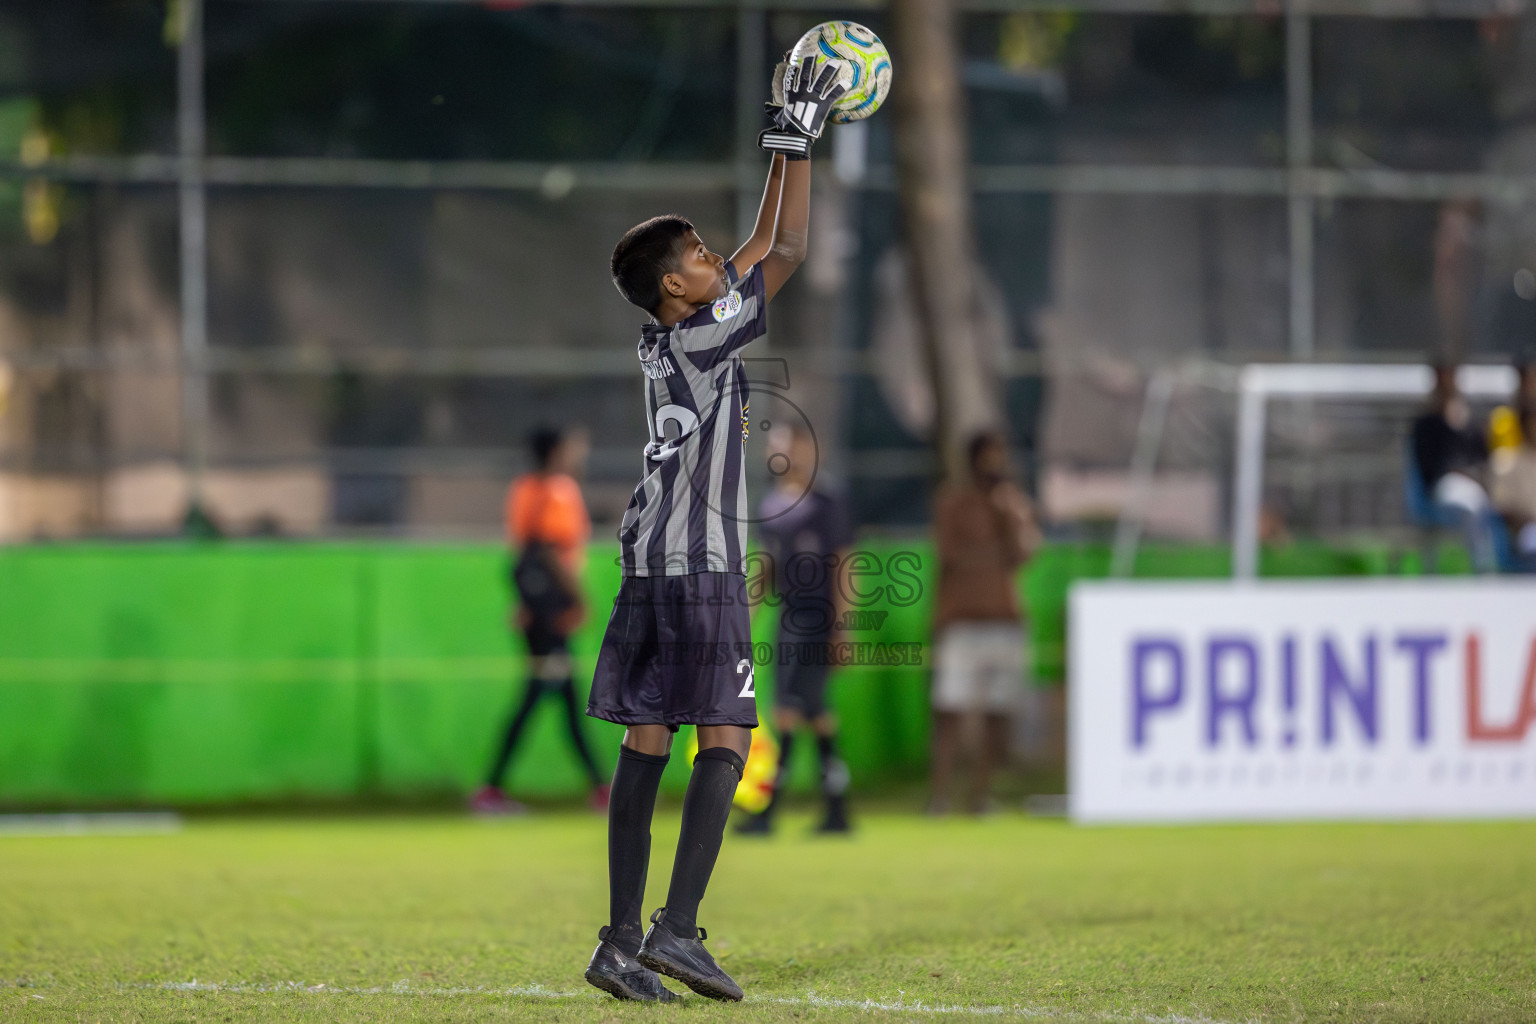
column 447, row 919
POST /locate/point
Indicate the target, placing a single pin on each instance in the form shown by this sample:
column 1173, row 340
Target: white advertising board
column 1302, row 699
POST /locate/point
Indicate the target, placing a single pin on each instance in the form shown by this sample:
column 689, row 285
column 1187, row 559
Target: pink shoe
column 599, row 799
column 492, row 802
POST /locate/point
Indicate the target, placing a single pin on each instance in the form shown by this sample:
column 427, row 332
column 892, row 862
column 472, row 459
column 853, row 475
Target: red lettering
column 1479, row 730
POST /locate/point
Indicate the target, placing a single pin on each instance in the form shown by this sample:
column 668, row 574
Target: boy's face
column 700, row 274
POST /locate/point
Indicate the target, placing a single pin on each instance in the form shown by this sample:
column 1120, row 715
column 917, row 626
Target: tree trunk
column 932, row 150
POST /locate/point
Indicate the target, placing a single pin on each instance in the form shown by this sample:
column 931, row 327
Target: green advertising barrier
column 223, row 673
column 219, row 673
column 445, row 674
column 178, row 674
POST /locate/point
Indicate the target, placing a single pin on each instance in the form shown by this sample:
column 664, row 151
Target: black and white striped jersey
column 689, row 512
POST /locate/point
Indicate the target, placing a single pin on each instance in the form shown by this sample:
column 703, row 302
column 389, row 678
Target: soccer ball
column 863, row 61
column 756, row 787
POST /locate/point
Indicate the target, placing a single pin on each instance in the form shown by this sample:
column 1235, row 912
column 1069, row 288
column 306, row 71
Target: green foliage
column 18, row 117
column 449, row 81
column 408, row 919
column 1035, row 40
column 1255, row 45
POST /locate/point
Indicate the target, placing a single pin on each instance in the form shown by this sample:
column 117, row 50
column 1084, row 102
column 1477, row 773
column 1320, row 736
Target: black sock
column 630, row 804
column 786, row 745
column 711, row 788
column 573, row 719
column 531, row 697
column 834, row 774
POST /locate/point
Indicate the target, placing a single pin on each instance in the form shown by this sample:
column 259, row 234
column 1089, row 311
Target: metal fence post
column 1247, row 494
column 1298, row 152
column 191, row 136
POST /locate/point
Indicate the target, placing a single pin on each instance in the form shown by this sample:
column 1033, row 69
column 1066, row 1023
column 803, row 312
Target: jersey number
column 746, row 690
column 686, row 419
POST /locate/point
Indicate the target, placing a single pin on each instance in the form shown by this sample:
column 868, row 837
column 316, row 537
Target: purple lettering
column 1360, row 693
column 1421, row 648
column 1240, row 703
column 1288, row 688
column 1144, row 703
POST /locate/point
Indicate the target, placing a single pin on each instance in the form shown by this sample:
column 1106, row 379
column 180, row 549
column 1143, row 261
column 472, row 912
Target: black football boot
column 756, row 825
column 836, row 820
column 686, row 960
column 622, row 976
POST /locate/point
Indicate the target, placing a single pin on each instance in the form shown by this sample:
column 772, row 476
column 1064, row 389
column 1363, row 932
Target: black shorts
column 678, row 651
column 800, row 674
column 544, row 639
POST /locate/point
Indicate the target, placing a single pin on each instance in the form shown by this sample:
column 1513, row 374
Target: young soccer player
column 806, row 535
column 678, row 645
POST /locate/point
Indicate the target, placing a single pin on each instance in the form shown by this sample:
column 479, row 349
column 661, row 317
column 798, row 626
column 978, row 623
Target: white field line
column 128, row 823
column 399, row 988
column 405, row 988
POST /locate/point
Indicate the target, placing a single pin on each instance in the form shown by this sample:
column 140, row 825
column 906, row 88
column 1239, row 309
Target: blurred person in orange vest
column 547, row 529
column 984, row 532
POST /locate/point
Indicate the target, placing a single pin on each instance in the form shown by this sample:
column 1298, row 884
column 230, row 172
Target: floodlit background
column 400, row 268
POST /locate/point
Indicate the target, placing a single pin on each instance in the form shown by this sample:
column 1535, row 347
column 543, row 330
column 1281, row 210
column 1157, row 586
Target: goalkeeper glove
column 811, row 89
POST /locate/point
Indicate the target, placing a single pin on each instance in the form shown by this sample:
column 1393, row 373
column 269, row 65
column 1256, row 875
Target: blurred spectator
column 805, row 534
column 1449, row 456
column 1274, row 531
column 1504, row 428
column 547, row 528
column 198, row 523
column 985, row 531
column 1514, row 490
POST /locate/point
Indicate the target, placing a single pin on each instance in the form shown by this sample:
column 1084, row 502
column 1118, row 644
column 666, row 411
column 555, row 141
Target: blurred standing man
column 547, row 528
column 806, row 535
column 985, row 530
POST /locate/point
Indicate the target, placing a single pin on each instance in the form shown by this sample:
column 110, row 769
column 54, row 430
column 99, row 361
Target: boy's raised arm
column 811, row 89
column 756, row 247
column 792, row 229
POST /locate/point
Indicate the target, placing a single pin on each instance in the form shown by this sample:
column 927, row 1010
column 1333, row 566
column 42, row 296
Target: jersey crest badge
column 725, row 308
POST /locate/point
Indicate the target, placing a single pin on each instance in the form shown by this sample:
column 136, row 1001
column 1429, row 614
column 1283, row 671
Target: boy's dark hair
column 647, row 253
column 542, row 443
